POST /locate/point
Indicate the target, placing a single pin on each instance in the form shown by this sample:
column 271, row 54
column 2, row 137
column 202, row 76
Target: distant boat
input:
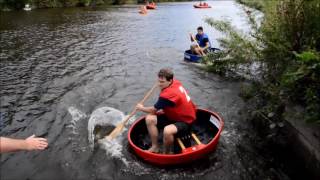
column 151, row 5
column 27, row 7
column 201, row 5
column 189, row 56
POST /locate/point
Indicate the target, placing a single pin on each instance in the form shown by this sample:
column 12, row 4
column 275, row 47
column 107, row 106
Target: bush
column 302, row 83
column 286, row 45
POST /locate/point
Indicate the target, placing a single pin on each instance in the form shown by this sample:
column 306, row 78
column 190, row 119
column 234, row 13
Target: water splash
column 104, row 116
column 114, row 148
column 76, row 116
column 108, row 117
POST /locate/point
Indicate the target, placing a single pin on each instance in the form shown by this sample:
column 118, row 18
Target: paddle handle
column 142, row 101
column 120, row 126
column 194, row 136
column 149, row 93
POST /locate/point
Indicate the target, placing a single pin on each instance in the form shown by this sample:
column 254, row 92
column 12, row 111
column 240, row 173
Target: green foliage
column 286, row 45
column 238, row 49
column 257, row 4
column 19, row 4
column 248, row 91
column 308, row 57
column 12, row 4
column 302, row 83
column 215, row 62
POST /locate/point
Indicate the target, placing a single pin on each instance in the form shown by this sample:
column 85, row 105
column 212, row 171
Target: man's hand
column 139, row 106
column 33, row 143
column 192, row 37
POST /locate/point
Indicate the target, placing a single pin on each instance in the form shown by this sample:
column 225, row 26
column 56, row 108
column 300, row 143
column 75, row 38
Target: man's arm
column 31, row 143
column 150, row 109
column 192, row 37
column 207, row 45
column 160, row 104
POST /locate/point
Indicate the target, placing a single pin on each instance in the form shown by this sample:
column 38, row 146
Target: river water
column 62, row 69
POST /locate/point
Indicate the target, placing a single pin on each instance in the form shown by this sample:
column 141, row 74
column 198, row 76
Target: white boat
column 27, row 7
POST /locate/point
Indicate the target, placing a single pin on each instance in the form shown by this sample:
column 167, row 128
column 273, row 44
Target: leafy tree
column 285, row 45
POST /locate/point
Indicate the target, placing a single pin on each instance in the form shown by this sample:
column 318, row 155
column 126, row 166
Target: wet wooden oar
column 121, row 125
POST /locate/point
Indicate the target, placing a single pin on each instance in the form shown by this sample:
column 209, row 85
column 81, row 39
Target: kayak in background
column 151, row 5
column 189, row 56
column 201, row 5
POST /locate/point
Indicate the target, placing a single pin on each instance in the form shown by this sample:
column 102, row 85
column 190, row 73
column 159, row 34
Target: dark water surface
column 60, row 65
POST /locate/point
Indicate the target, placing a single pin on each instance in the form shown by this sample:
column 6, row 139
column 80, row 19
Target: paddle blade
column 116, row 131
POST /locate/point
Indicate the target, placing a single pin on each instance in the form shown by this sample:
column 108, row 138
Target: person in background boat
column 143, row 10
column 30, row 143
column 202, row 40
column 174, row 112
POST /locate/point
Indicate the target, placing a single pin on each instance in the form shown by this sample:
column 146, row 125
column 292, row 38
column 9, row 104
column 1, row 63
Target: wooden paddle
column 194, row 39
column 121, row 125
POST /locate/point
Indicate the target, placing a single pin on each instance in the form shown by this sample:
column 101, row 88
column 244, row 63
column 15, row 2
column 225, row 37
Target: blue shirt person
column 202, row 42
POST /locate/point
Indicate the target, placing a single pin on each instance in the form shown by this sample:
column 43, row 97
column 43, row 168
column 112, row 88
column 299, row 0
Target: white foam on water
column 108, row 116
column 114, row 148
column 104, row 116
column 230, row 137
column 76, row 116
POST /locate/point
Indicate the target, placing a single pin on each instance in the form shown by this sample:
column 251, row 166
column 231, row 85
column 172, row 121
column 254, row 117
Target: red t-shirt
column 184, row 109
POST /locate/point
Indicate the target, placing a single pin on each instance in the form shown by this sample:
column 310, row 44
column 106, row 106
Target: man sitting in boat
column 174, row 112
column 202, row 43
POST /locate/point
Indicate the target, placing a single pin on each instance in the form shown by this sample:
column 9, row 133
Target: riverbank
column 283, row 140
column 40, row 4
column 292, row 144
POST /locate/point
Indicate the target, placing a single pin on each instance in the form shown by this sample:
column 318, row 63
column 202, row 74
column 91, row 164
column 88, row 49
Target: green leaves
column 286, row 47
column 308, row 57
column 302, row 81
column 239, row 49
column 19, row 4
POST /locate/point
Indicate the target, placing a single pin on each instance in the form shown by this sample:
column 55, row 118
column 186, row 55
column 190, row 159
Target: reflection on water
column 61, row 68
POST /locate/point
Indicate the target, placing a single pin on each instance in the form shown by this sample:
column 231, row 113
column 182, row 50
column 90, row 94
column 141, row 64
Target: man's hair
column 166, row 73
column 200, row 28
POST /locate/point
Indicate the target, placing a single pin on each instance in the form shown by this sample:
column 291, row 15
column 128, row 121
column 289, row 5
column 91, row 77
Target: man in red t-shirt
column 174, row 112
